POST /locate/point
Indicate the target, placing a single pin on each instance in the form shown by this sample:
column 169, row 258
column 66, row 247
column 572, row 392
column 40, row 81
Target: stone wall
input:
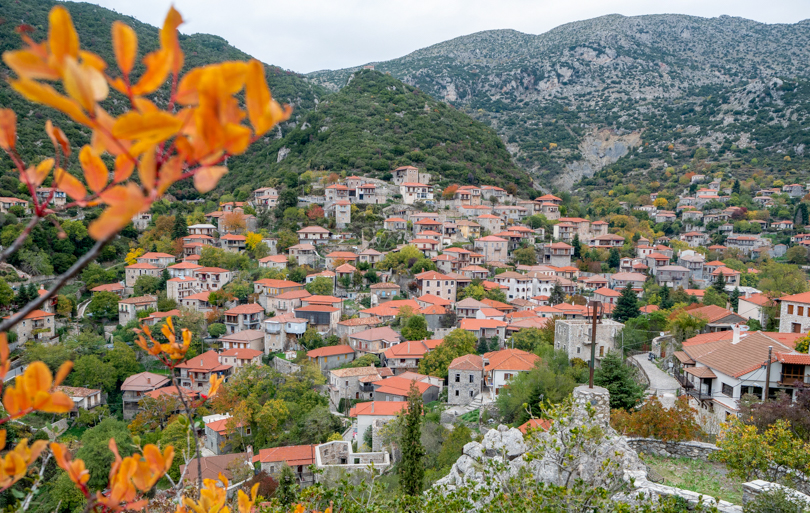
column 692, row 450
column 598, row 397
column 752, row 489
column 463, row 386
column 285, row 367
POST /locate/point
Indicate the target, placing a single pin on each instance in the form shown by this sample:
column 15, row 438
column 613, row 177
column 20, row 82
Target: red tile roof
column 510, row 359
column 322, row 352
column 382, row 408
column 249, row 308
column 292, row 455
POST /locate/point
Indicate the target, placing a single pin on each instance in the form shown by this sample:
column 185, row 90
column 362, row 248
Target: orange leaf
column 58, row 137
column 30, row 65
column 45, row 94
column 123, row 168
column 62, row 37
column 125, row 46
column 157, row 69
column 125, row 202
column 206, row 178
column 2, row 439
column 147, row 169
column 35, row 176
column 57, row 402
column 168, row 39
column 153, row 126
column 84, row 83
column 37, row 377
column 96, row 173
column 62, row 373
column 102, row 139
column 257, row 96
column 92, row 60
column 69, row 184
column 8, row 129
column 237, row 138
column 170, row 172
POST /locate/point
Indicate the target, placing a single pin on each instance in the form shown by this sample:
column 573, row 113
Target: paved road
column 661, row 383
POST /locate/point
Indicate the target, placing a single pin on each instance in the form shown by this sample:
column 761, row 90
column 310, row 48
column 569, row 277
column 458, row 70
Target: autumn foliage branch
column 201, row 127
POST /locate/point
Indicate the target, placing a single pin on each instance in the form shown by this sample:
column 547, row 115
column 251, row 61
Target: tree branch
column 20, row 239
column 33, row 490
column 193, row 430
column 9, row 323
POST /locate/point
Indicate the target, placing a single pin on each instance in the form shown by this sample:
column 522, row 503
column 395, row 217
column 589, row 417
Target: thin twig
column 33, row 490
column 9, row 323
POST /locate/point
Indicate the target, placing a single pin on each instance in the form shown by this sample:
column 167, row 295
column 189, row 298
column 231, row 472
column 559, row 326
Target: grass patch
column 75, row 431
column 470, row 416
column 708, row 478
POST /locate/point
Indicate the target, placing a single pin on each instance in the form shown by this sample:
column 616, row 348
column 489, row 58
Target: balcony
column 366, row 388
column 792, row 380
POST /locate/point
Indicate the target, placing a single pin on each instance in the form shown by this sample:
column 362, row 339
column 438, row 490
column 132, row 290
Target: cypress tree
column 614, row 259
column 412, row 468
column 735, row 299
column 627, row 305
column 666, row 301
column 735, row 189
column 720, row 284
column 557, row 295
column 577, row 247
column 180, row 228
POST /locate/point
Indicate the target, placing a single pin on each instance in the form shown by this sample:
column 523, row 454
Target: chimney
column 372, row 406
column 148, row 380
column 736, row 338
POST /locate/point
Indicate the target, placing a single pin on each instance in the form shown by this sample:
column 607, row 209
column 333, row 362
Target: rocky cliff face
column 666, row 79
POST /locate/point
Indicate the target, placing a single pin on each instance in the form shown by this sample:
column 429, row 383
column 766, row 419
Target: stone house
column 355, row 325
column 574, row 337
column 405, row 356
column 282, row 332
column 383, row 292
column 287, row 301
column 370, row 256
column 195, row 374
column 304, row 254
column 330, row 357
column 485, row 328
column 83, row 398
column 794, row 313
column 128, row 308
column 298, row 457
column 494, row 249
column 135, row 271
column 274, row 262
column 352, row 383
column 374, row 340
column 557, row 254
column 314, row 235
column 413, row 192
column 340, row 457
column 239, row 358
column 501, row 366
column 157, row 259
column 212, row 278
column 135, row 387
column 396, row 388
column 323, row 318
column 673, row 276
column 404, row 174
column 369, row 412
column 244, row 317
column 441, row 285
column 465, row 379
column 245, row 339
column 216, row 433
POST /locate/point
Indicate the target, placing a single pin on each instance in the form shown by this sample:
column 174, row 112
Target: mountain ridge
column 628, row 75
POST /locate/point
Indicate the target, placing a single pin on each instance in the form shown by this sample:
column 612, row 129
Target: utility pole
column 768, row 374
column 595, row 305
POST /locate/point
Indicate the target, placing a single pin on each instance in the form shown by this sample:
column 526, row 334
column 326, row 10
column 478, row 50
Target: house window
column 790, row 309
column 578, row 349
column 800, row 311
column 471, row 393
column 728, row 390
column 472, row 378
column 456, row 393
column 458, row 378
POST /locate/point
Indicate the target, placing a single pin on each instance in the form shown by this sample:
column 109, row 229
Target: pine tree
column 666, row 301
column 627, row 305
column 614, row 375
column 412, row 468
column 720, row 284
column 557, row 295
column 287, row 490
column 577, row 247
column 735, row 189
column 735, row 299
column 180, row 228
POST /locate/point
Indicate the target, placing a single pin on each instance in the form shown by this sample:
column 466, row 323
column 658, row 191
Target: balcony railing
column 793, row 380
column 699, row 395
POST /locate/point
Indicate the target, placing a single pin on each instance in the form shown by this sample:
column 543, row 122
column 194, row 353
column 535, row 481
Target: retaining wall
column 693, row 450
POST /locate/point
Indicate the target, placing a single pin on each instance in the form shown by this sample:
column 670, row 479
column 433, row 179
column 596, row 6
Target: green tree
column 287, row 490
column 216, row 329
column 781, row 279
column 525, row 256
column 626, row 305
column 796, row 255
column 311, row 339
column 95, row 451
column 530, row 339
column 104, row 305
column 577, row 245
column 94, row 275
column 90, row 372
column 123, row 359
column 734, row 299
column 146, row 284
column 557, row 295
column 614, row 258
column 6, row 293
column 719, row 284
column 665, row 301
column 416, row 328
column 320, row 286
column 685, row 326
column 411, row 470
column 457, row 343
column 712, row 297
column 180, row 228
column 64, row 306
column 735, row 189
column 178, row 435
column 619, row 379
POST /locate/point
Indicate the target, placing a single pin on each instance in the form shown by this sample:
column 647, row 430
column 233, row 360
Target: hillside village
column 367, row 278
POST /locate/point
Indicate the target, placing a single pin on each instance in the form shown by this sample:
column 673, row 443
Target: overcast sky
column 309, row 35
